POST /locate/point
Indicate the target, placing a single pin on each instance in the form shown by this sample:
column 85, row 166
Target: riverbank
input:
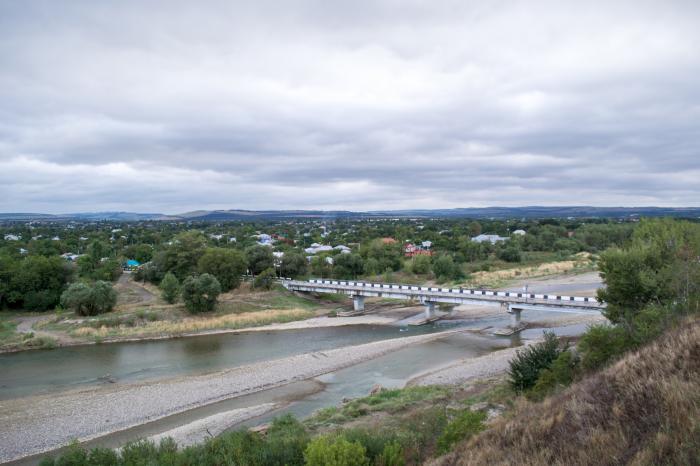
column 37, row 424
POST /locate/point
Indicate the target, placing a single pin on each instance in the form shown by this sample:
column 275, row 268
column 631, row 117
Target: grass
column 195, row 324
column 389, row 401
column 643, row 410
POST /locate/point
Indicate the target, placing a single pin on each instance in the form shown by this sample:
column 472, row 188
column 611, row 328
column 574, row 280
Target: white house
column 493, row 239
column 11, row 237
column 427, row 244
column 23, row 251
column 519, row 232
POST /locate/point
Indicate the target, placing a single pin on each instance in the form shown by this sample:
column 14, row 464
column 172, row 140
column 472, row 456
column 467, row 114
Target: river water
column 44, row 371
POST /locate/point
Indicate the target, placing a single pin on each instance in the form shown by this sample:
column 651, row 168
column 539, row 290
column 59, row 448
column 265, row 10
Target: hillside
column 643, row 410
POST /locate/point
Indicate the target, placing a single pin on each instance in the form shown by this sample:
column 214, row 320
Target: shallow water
column 45, row 371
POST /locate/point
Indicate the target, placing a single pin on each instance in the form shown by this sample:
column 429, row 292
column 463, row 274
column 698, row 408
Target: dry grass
column 197, row 324
column 644, row 410
column 494, row 278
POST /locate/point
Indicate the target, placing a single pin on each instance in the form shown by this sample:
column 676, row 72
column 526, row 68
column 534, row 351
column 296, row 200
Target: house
column 316, row 248
column 56, row 238
column 131, row 264
column 11, row 237
column 427, row 244
column 216, row 237
column 69, row 256
column 232, row 239
column 411, row 250
column 23, row 251
column 519, row 232
column 265, row 240
column 493, row 239
column 343, row 249
column 388, row 240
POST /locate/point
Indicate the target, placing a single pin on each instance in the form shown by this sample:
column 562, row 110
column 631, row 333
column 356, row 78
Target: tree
column 474, row 229
column 420, row 264
column 293, row 265
column 227, row 265
column 326, row 450
column 199, row 293
column 181, row 257
column 265, row 279
column 89, row 300
column 347, row 265
column 510, row 253
column 170, row 288
column 259, row 258
column 36, row 282
column 444, row 267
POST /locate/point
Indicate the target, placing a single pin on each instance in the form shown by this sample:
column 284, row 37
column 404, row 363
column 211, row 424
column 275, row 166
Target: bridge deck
column 439, row 294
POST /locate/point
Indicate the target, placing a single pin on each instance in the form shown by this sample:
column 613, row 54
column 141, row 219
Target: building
column 411, row 250
column 493, row 239
column 519, row 232
column 131, row 264
column 11, row 237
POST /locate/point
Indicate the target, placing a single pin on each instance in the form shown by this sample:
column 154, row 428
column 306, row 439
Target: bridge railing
column 460, row 291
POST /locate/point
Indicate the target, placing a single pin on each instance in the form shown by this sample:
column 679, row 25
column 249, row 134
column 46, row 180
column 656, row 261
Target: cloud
column 172, row 106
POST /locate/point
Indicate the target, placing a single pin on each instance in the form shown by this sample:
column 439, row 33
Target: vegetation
column 265, row 279
column 89, row 299
column 227, row 265
column 529, row 363
column 170, row 288
column 199, row 293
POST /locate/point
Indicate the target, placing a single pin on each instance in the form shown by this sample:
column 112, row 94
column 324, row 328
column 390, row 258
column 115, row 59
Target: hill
column 643, row 410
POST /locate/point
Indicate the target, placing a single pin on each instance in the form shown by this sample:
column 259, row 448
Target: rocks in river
column 107, row 378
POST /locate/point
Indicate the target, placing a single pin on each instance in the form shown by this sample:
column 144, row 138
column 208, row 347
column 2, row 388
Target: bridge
column 511, row 302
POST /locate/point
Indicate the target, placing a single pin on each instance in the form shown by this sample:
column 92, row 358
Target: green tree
column 36, row 282
column 510, row 253
column 326, row 450
column 227, row 265
column 347, row 265
column 199, row 293
column 182, row 255
column 525, row 367
column 420, row 264
column 259, row 258
column 265, row 279
column 170, row 288
column 89, row 300
column 444, row 267
column 293, row 265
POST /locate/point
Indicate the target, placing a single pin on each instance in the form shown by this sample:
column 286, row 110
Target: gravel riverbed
column 37, row 424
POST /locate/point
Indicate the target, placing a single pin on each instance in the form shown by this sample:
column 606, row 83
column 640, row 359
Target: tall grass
column 642, row 410
column 198, row 324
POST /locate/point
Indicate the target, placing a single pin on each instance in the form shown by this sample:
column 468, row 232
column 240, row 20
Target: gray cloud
column 171, row 106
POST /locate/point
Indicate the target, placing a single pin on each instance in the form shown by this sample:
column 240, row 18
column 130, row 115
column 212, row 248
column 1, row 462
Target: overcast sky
column 168, row 107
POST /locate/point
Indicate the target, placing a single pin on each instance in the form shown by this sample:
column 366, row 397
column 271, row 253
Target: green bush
column 200, row 293
column 463, row 426
column 392, row 455
column 170, row 288
column 265, row 279
column 527, row 364
column 286, row 441
column 89, row 300
column 560, row 374
column 601, row 344
column 328, row 450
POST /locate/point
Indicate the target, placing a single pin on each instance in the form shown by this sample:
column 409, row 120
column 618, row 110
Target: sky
column 173, row 106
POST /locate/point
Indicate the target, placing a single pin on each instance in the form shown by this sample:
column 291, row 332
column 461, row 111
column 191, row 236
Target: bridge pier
column 429, row 309
column 358, row 303
column 515, row 317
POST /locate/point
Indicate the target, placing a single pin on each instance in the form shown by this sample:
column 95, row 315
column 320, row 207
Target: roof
column 132, row 263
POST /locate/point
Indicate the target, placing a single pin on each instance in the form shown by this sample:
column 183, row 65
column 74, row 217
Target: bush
column 466, row 424
column 170, row 288
column 601, row 344
column 89, row 300
column 327, row 450
column 200, row 293
column 527, row 364
column 265, row 279
column 286, row 441
column 392, row 455
column 510, row 253
column 420, row 264
column 560, row 374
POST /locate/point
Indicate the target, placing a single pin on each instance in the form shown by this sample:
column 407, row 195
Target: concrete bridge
column 511, row 302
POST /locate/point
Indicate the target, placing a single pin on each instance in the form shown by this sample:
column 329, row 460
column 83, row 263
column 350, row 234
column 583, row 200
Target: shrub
column 527, row 364
column 265, row 279
column 286, row 441
column 392, row 455
column 560, row 374
column 170, row 288
column 200, row 293
column 601, row 344
column 463, row 426
column 89, row 300
column 227, row 265
column 327, row 450
column 510, row 253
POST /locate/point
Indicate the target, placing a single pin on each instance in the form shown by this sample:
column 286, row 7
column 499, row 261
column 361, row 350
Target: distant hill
column 468, row 212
